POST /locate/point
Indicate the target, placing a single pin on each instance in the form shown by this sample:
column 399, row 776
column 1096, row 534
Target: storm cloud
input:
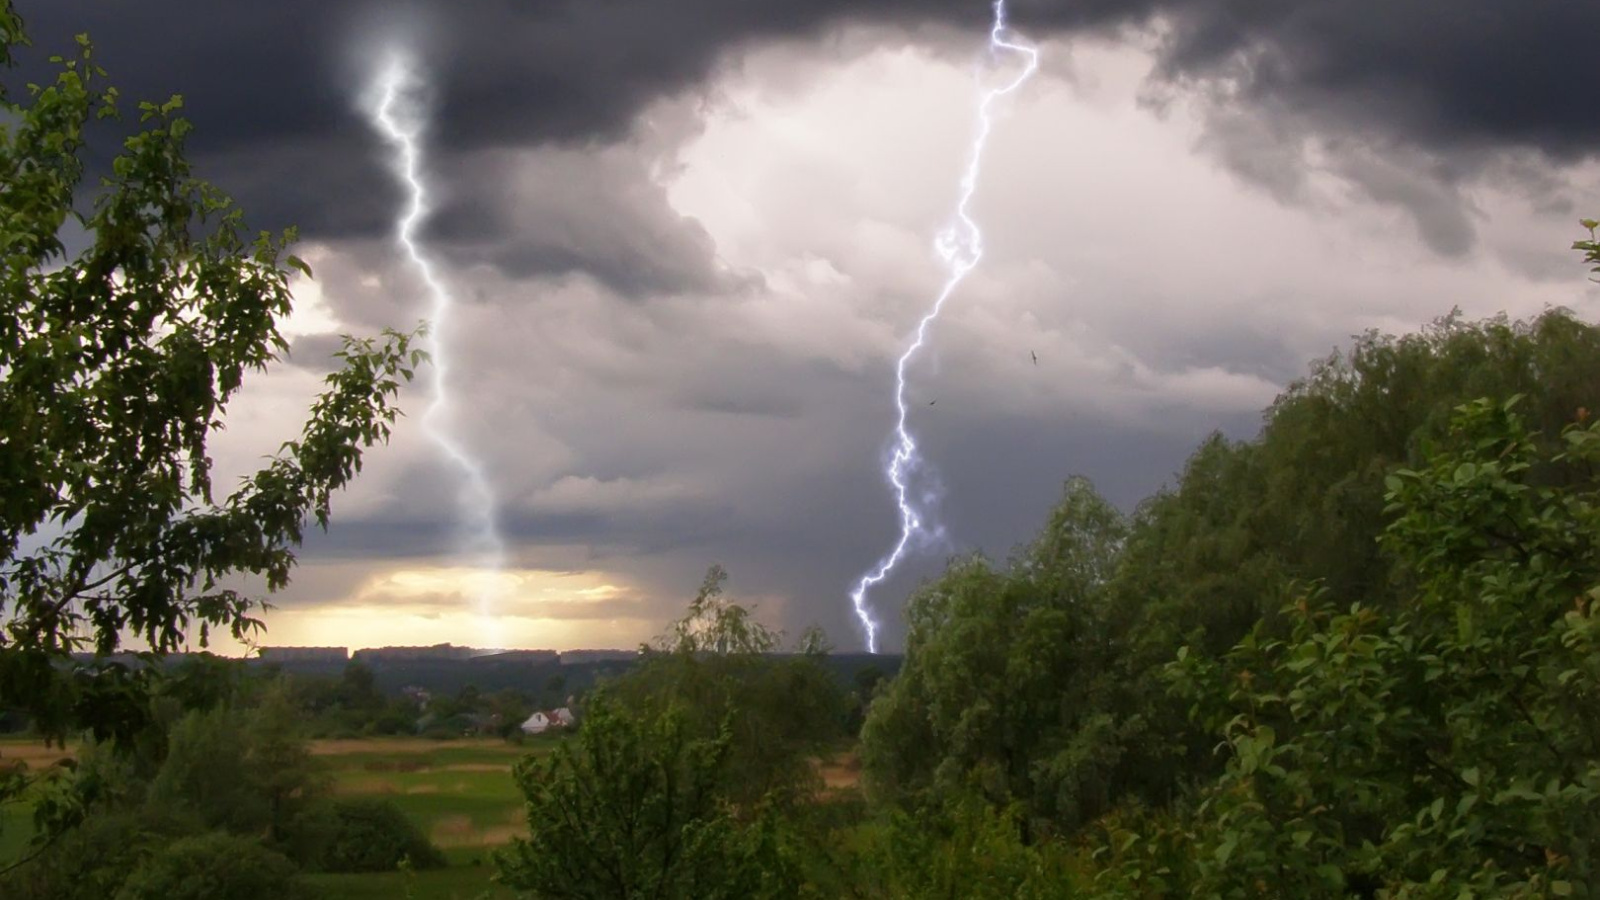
column 1440, row 88
column 688, row 238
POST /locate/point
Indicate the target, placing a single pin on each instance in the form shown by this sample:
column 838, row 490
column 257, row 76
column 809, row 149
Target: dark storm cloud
column 599, row 213
column 270, row 85
column 1480, row 73
column 1406, row 101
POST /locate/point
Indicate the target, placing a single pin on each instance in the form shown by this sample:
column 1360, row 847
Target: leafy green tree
column 120, row 361
column 1250, row 522
column 1304, row 501
column 1006, row 679
column 716, row 670
column 247, row 771
column 1447, row 748
column 640, row 807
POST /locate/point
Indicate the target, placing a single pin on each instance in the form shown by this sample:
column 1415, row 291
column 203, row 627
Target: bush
column 637, row 807
column 964, row 850
column 212, row 866
column 359, row 835
column 91, row 861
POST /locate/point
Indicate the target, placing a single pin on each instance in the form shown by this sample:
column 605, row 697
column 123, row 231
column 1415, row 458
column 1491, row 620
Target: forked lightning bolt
column 397, row 121
column 960, row 246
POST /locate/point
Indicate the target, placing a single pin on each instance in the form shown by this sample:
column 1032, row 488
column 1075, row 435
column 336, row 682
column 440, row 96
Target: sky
column 689, row 238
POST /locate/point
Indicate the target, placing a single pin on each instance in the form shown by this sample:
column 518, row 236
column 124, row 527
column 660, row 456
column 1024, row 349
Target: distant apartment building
column 435, row 653
column 578, row 657
column 520, row 656
column 328, row 655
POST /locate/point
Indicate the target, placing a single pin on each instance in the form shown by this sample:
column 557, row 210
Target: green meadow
column 459, row 792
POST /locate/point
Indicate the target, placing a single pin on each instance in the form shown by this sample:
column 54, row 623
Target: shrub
column 215, row 865
column 359, row 835
column 637, row 807
column 965, row 849
column 89, row 862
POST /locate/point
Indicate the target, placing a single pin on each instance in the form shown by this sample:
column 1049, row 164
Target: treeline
column 1354, row 656
column 351, row 705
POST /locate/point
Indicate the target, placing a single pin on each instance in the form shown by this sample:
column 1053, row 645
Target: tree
column 1447, row 748
column 358, row 689
column 1003, row 690
column 243, row 770
column 715, row 669
column 1304, row 501
column 636, row 808
column 119, row 363
column 1250, row 523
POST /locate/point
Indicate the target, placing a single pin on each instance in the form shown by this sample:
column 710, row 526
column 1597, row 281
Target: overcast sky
column 690, row 237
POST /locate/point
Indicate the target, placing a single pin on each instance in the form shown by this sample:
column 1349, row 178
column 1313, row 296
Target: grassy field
column 459, row 792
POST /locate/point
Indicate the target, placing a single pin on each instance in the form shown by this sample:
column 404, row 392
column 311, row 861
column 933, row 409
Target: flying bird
column 932, row 402
column 1035, row 357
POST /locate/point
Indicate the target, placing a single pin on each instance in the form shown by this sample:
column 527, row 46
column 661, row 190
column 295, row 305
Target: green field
column 459, row 792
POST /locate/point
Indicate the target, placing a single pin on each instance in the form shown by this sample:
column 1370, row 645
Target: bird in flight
column 932, row 402
column 1035, row 357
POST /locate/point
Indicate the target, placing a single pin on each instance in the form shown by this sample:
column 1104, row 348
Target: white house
column 539, row 722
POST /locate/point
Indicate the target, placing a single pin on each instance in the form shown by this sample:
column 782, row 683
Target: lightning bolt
column 401, row 126
column 960, row 246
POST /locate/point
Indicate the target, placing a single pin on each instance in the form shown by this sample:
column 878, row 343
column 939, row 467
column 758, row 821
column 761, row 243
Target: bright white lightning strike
column 399, row 124
column 960, row 246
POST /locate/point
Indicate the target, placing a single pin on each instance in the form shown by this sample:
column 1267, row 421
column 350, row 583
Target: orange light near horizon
column 358, row 627
column 538, row 609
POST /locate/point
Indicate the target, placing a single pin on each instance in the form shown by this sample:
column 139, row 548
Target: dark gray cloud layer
column 659, row 437
column 271, row 85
